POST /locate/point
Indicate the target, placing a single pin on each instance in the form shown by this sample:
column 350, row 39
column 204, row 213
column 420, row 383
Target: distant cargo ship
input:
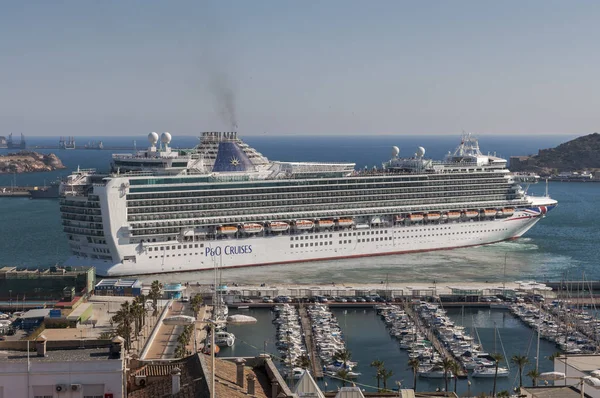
column 66, row 143
column 3, row 144
column 10, row 144
column 161, row 210
column 49, row 192
column 94, row 145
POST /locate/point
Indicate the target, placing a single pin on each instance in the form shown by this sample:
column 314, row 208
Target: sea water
column 563, row 244
column 367, row 338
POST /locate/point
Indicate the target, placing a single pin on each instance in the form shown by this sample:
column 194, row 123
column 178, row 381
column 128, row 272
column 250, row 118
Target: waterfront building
column 223, row 203
column 118, row 287
column 44, row 284
column 65, row 370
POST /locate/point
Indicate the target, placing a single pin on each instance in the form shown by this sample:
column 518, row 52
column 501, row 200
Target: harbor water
column 367, row 338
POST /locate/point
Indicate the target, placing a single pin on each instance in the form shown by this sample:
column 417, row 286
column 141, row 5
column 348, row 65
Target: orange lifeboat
column 508, row 211
column 278, row 226
column 227, row 230
column 471, row 213
column 345, row 222
column 252, row 228
column 490, row 212
column 453, row 215
column 324, row 223
column 415, row 217
column 432, row 216
column 304, row 224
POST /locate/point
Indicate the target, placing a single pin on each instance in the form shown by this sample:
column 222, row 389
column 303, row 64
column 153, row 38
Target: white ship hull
column 271, row 250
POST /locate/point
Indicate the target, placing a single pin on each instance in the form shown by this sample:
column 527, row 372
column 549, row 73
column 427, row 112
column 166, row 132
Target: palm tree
column 123, row 319
column 447, row 366
column 377, row 364
column 195, row 304
column 414, row 364
column 520, row 361
column 455, row 369
column 304, row 361
column 534, row 374
column 554, row 356
column 497, row 358
column 343, row 356
column 154, row 295
column 343, row 375
column 385, row 375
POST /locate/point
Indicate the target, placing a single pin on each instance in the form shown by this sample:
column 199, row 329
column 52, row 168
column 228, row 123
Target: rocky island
column 29, row 162
column 575, row 156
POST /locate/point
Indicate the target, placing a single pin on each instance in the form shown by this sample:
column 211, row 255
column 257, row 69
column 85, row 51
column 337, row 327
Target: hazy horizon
column 339, row 68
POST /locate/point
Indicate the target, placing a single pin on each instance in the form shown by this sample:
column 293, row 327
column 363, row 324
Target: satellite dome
column 395, row 151
column 165, row 138
column 153, row 138
column 421, row 151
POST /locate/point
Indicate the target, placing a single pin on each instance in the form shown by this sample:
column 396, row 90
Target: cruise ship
column 223, row 203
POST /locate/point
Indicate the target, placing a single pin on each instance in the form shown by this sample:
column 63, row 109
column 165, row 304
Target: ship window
column 162, row 248
column 330, row 235
column 179, row 247
column 302, row 237
column 320, row 243
column 340, row 242
column 296, row 245
column 301, row 244
column 291, row 246
column 291, row 238
column 173, row 247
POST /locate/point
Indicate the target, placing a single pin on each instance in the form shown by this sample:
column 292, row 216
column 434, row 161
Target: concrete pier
column 315, row 359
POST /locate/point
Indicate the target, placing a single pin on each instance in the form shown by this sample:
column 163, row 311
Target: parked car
column 340, row 300
column 185, row 299
column 267, row 299
column 247, row 300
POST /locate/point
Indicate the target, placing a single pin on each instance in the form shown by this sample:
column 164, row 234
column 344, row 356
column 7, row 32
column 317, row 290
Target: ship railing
column 293, row 215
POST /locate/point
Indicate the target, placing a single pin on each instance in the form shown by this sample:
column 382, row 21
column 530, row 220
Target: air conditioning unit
column 140, row 380
column 60, row 388
column 75, row 387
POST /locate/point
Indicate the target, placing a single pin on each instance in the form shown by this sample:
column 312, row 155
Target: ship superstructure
column 167, row 210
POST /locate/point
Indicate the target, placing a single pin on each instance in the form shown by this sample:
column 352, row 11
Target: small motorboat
column 453, row 215
column 471, row 213
column 227, row 230
column 432, row 216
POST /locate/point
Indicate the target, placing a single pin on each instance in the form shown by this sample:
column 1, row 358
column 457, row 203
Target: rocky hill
column 28, row 162
column 582, row 153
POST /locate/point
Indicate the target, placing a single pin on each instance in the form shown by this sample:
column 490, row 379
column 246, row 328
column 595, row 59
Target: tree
column 343, row 356
column 304, row 361
column 154, row 295
column 455, row 369
column 504, row 394
column 533, row 374
column 377, row 364
column 554, row 356
column 414, row 364
column 520, row 361
column 385, row 375
column 343, row 375
column 497, row 358
column 123, row 319
column 447, row 366
column 195, row 304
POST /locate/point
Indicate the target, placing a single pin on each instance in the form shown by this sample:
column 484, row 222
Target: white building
column 576, row 367
column 63, row 373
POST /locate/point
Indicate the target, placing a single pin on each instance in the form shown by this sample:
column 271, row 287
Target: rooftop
column 552, row 392
column 583, row 363
column 119, row 283
column 77, row 355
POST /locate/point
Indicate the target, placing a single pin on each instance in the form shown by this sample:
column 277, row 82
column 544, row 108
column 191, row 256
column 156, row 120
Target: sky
column 282, row 67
